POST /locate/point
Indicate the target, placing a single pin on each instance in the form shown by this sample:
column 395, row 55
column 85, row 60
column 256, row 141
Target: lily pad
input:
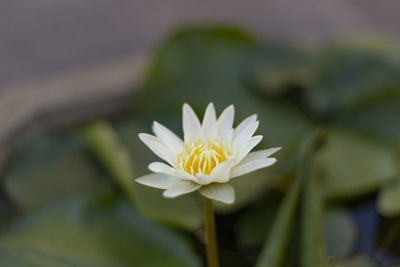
column 340, row 233
column 197, row 66
column 352, row 164
column 88, row 232
column 277, row 69
column 349, row 77
column 46, row 167
column 380, row 118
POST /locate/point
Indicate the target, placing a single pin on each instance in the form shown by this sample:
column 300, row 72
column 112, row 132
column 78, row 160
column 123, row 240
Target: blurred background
column 45, row 37
column 80, row 79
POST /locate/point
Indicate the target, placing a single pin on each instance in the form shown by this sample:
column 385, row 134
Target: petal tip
column 272, row 162
column 167, row 194
column 139, row 180
column 210, row 106
column 274, row 150
column 258, row 138
column 145, row 137
column 142, row 136
column 186, row 106
column 229, row 202
column 154, row 126
column 150, row 166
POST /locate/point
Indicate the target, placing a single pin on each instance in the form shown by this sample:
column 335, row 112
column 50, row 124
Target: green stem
column 211, row 242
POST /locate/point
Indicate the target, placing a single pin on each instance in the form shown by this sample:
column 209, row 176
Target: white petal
column 190, row 122
column 244, row 131
column 247, row 147
column 158, row 147
column 222, row 172
column 221, row 192
column 160, row 167
column 249, row 166
column 180, row 188
column 246, row 122
column 261, row 154
column 158, row 180
column 224, row 124
column 209, row 126
column 203, row 179
column 171, row 140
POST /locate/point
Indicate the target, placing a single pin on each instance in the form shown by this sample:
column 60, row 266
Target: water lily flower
column 210, row 155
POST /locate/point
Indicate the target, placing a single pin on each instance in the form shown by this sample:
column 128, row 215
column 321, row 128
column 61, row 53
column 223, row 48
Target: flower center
column 202, row 157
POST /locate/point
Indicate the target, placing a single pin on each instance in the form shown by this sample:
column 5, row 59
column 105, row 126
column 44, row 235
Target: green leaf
column 339, row 230
column 340, row 233
column 46, row 167
column 389, row 198
column 88, row 232
column 274, row 250
column 121, row 157
column 311, row 239
column 106, row 147
column 352, row 164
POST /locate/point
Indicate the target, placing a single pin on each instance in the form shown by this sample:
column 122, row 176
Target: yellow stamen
column 202, row 157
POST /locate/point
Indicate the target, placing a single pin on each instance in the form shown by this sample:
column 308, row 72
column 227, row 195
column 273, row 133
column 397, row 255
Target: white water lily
column 210, row 155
